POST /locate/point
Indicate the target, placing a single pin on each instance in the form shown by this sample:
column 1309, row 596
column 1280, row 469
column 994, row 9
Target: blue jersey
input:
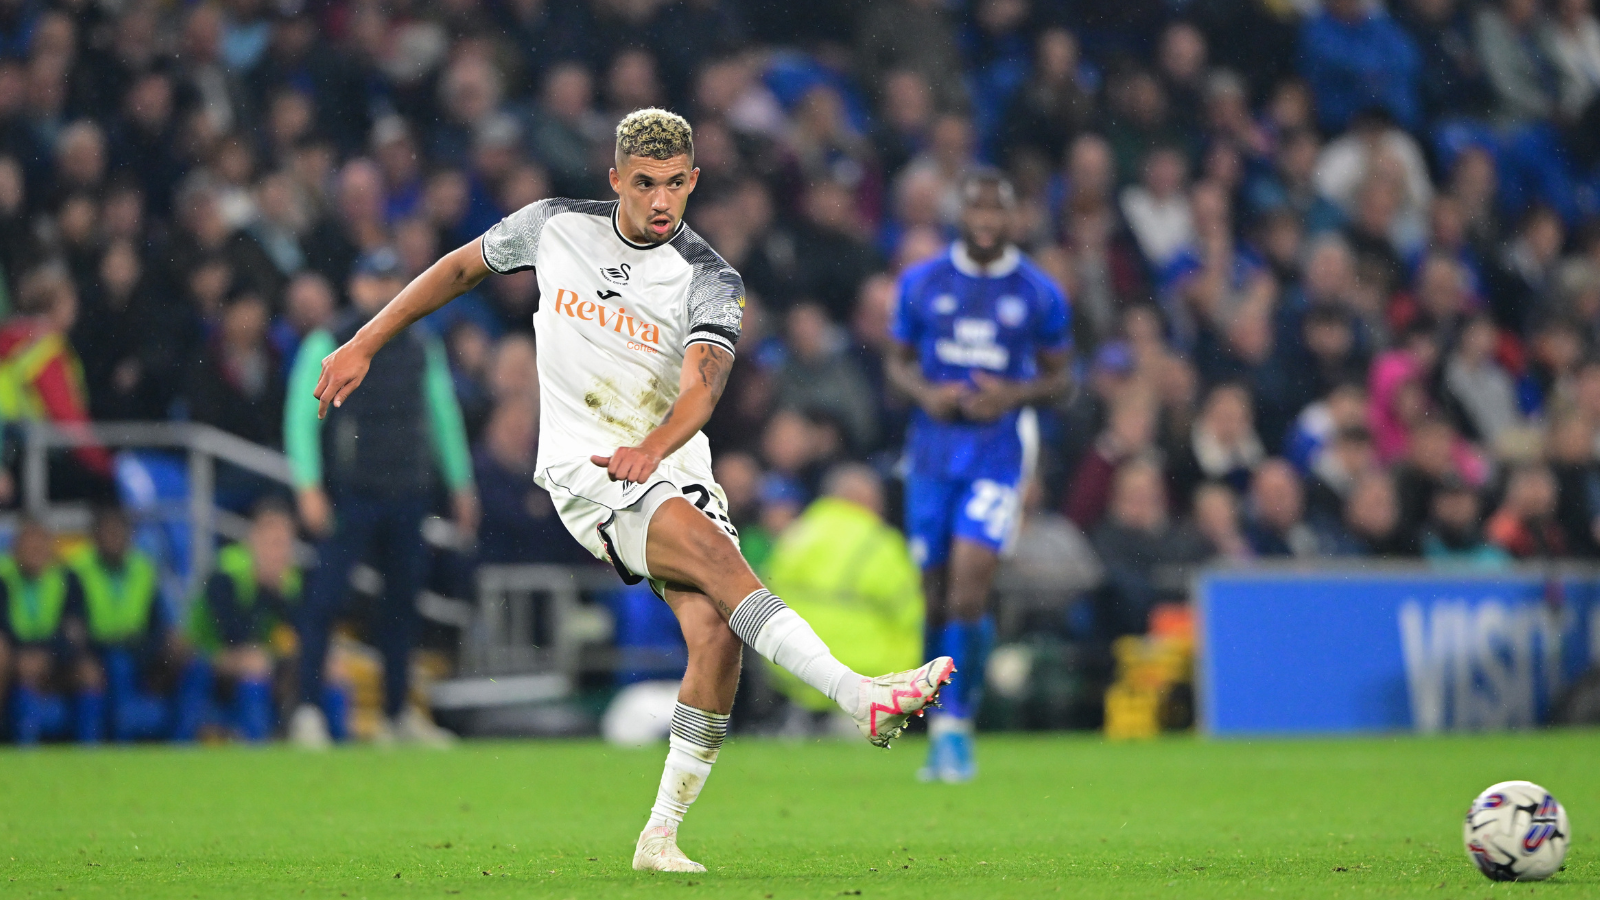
column 962, row 320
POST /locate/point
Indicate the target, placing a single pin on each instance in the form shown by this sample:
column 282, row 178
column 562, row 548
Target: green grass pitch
column 1049, row 816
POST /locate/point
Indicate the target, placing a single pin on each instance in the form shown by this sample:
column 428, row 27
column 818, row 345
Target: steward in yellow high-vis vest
column 245, row 618
column 850, row 574
column 156, row 685
column 41, row 641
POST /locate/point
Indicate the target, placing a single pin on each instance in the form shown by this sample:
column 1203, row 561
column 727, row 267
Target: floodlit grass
column 1048, row 816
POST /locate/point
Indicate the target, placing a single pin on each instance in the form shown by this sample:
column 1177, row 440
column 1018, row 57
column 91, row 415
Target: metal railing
column 532, row 618
column 203, row 446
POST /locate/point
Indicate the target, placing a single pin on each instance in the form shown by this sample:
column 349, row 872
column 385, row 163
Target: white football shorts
column 611, row 519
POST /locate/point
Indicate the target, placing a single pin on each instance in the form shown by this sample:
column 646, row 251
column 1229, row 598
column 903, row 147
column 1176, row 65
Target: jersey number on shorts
column 994, row 504
column 702, row 501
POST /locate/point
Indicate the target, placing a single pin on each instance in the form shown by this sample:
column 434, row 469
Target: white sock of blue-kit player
column 777, row 632
column 693, row 742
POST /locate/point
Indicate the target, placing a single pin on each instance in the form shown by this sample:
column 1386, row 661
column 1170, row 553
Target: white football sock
column 777, row 632
column 694, row 740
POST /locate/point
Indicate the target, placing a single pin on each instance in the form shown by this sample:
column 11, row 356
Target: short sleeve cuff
column 715, row 335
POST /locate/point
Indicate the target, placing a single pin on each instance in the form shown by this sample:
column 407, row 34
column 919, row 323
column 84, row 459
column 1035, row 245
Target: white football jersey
column 613, row 322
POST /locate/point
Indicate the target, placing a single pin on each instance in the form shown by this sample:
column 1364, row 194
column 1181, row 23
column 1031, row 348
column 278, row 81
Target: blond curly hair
column 655, row 133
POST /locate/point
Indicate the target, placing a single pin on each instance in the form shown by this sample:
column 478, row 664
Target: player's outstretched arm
column 454, row 274
column 700, row 386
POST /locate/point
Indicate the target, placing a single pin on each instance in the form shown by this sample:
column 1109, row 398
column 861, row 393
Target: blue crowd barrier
column 1308, row 652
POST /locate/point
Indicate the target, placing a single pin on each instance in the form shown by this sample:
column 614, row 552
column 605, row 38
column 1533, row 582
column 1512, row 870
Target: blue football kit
column 964, row 479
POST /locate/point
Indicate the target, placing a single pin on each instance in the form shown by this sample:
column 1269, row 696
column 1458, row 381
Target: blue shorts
column 981, row 510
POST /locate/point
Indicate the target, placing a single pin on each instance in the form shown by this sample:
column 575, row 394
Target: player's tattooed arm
column 714, row 367
column 700, row 385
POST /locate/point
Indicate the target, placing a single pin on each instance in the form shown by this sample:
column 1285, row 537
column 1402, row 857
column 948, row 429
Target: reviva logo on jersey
column 638, row 333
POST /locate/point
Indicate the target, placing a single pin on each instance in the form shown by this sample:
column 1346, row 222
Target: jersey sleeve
column 512, row 244
column 1054, row 330
column 903, row 324
column 716, row 294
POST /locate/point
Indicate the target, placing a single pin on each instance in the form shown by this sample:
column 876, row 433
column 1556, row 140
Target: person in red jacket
column 41, row 377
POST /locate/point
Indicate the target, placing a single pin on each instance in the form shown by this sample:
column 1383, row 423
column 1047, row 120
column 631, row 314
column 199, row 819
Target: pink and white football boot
column 889, row 701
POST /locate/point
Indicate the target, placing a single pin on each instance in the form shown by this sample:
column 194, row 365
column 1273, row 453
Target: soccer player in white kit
column 637, row 323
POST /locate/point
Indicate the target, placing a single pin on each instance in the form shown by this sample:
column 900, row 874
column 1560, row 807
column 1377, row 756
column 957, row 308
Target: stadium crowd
column 1334, row 268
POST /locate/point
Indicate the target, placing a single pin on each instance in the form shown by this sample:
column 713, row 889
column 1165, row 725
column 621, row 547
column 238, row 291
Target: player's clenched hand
column 994, row 398
column 943, row 401
column 342, row 372
column 629, row 464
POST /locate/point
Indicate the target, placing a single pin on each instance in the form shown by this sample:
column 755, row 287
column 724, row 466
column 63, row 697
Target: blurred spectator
column 831, row 250
column 906, row 117
column 568, row 129
column 1141, row 551
column 1139, row 121
column 1453, row 535
column 1573, row 38
column 130, row 346
column 1525, row 525
column 1053, row 105
column 1400, row 397
column 1157, row 208
column 1216, row 518
column 41, row 378
column 519, row 523
column 1291, row 184
column 1275, row 524
column 1343, row 463
column 816, row 374
column 1355, row 58
column 1048, row 567
column 1223, row 445
column 1522, row 73
column 1452, row 81
column 1342, row 408
column 1570, row 449
column 740, row 476
column 914, row 35
column 1518, row 280
column 1433, row 458
column 234, row 383
column 309, row 303
column 1129, row 434
column 1375, row 152
column 1475, row 382
column 852, row 577
column 1370, row 524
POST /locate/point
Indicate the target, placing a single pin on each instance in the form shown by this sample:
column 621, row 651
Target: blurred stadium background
column 1334, row 267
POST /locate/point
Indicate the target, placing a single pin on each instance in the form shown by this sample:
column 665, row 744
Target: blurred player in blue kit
column 982, row 335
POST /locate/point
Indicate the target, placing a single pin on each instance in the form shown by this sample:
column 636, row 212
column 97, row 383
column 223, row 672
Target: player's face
column 654, row 193
column 986, row 221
